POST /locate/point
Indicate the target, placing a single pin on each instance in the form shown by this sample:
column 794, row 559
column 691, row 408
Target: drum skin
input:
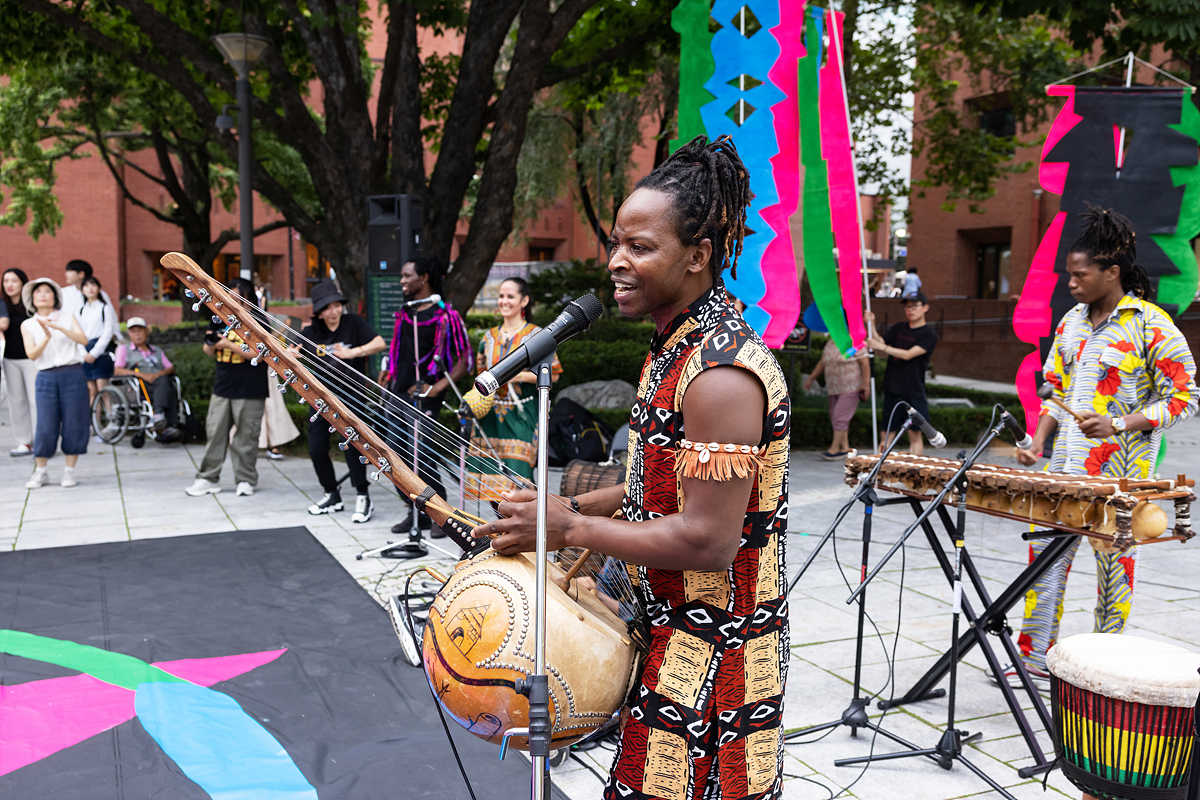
column 480, row 639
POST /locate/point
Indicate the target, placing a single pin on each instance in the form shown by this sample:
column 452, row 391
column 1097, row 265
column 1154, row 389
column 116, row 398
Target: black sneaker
column 403, row 525
column 328, row 504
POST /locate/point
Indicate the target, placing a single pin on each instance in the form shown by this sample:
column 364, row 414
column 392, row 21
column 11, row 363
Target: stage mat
column 231, row 665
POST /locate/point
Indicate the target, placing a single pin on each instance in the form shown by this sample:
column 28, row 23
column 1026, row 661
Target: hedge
column 615, row 349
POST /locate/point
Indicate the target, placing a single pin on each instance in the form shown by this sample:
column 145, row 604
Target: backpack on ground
column 575, row 433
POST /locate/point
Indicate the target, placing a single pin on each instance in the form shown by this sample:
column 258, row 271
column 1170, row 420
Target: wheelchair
column 123, row 406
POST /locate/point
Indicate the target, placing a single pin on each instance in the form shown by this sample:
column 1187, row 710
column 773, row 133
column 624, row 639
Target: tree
column 66, row 108
column 362, row 129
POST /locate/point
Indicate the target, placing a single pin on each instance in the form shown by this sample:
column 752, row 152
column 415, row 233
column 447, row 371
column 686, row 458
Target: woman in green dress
column 511, row 423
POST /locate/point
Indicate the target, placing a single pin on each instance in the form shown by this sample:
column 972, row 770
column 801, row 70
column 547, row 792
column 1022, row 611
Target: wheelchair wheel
column 138, row 439
column 110, row 414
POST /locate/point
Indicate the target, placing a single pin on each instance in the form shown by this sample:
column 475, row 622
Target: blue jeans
column 62, row 410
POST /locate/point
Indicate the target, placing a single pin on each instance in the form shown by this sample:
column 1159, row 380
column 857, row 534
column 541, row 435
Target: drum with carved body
column 478, row 643
column 1124, row 715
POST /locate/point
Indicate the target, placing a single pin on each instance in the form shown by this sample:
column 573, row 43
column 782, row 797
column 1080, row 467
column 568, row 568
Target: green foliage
column 195, row 371
column 550, row 288
column 1008, row 62
column 586, row 360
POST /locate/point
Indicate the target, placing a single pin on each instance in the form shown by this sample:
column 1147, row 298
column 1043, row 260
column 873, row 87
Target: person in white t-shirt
column 98, row 320
column 54, row 342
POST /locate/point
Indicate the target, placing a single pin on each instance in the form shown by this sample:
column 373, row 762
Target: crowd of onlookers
column 63, row 344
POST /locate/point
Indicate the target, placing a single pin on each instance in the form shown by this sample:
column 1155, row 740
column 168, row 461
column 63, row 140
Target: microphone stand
column 536, row 686
column 855, row 714
column 414, row 547
column 949, row 747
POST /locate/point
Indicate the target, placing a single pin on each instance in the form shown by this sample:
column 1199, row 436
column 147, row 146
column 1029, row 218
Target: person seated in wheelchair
column 147, row 362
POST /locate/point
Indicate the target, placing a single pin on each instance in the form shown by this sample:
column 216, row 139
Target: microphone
column 935, row 437
column 577, row 316
column 1024, row 440
column 433, row 298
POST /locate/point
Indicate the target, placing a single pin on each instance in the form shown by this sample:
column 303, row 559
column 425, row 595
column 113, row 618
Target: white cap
column 134, row 322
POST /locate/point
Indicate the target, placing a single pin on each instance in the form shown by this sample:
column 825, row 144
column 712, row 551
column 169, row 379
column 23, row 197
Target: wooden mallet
column 1046, row 392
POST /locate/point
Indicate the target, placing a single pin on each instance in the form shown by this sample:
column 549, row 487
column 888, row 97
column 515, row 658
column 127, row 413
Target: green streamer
column 819, row 265
column 1179, row 290
column 696, row 66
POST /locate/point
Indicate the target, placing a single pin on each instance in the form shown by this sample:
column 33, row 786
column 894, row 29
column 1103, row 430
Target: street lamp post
column 242, row 51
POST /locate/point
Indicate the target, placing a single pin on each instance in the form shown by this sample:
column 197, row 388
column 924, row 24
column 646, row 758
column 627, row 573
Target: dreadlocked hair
column 710, row 190
column 1109, row 240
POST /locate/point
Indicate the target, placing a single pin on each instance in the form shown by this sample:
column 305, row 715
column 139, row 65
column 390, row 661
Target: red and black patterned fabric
column 706, row 721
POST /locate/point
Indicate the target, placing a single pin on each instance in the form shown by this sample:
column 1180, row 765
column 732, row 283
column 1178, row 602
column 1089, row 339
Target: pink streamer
column 782, row 298
column 836, row 148
column 1053, row 174
column 1032, row 319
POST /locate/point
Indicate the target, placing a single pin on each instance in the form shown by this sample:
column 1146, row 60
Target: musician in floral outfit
column 1119, row 361
column 704, row 504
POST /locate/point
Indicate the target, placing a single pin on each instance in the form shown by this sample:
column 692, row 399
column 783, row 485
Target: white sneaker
column 37, row 479
column 21, row 450
column 244, row 489
column 326, row 505
column 68, row 478
column 201, row 487
column 363, row 508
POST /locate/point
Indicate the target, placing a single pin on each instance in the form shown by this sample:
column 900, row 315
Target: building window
column 541, row 252
column 163, row 283
column 227, row 266
column 992, row 262
column 316, row 269
column 994, row 114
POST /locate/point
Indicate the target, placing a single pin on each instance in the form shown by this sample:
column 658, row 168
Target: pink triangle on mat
column 39, row 718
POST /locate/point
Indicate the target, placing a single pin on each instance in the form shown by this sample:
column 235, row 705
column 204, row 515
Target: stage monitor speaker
column 393, row 232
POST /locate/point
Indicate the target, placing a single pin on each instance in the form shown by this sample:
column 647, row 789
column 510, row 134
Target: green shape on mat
column 819, row 265
column 115, row 668
column 1179, row 290
column 696, row 66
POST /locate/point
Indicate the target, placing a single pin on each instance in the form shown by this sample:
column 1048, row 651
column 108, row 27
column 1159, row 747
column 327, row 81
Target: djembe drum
column 1124, row 715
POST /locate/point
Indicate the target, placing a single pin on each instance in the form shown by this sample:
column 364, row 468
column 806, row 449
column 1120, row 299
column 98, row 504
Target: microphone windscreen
column 590, row 305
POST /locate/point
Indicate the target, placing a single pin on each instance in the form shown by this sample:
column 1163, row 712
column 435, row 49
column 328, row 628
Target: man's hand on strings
column 516, row 530
column 340, row 350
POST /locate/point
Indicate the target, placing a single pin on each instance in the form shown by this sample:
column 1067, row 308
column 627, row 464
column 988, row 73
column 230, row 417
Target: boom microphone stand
column 949, row 747
column 855, row 715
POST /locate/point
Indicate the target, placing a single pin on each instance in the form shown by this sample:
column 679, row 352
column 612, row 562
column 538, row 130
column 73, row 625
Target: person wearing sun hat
column 346, row 340
column 55, row 342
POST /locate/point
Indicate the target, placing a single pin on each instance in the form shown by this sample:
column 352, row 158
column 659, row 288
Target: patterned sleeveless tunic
column 706, row 720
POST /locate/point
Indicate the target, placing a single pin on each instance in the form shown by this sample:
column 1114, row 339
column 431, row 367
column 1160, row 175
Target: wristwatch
column 1118, row 424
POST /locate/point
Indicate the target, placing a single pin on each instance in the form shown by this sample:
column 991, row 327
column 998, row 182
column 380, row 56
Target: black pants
column 400, row 429
column 164, row 400
column 318, row 451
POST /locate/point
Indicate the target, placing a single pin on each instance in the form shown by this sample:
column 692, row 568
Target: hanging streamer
column 781, row 272
column 818, row 230
column 843, row 186
column 1178, row 291
column 690, row 21
column 1150, row 177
